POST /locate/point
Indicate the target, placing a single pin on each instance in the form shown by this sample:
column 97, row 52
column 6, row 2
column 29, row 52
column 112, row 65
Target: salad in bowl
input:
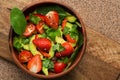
column 46, row 39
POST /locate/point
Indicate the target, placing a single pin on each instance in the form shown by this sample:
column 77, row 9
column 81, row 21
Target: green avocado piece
column 59, row 40
column 69, row 25
column 33, row 48
column 51, row 52
column 26, row 46
column 71, row 18
column 45, row 70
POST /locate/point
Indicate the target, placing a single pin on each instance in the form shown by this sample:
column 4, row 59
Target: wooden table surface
column 101, row 60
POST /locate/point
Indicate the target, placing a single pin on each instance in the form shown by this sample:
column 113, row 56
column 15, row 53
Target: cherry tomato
column 69, row 39
column 39, row 27
column 30, row 29
column 52, row 19
column 25, row 56
column 43, row 44
column 67, row 52
column 35, row 64
column 59, row 67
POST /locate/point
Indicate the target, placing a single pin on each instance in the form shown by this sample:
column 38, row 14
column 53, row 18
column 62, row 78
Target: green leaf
column 57, row 47
column 64, row 59
column 25, row 40
column 34, row 19
column 17, row 43
column 18, row 21
column 47, row 63
column 51, row 33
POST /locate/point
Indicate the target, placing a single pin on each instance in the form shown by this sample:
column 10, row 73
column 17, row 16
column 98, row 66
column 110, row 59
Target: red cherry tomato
column 69, row 39
column 25, row 56
column 67, row 52
column 43, row 44
column 30, row 28
column 59, row 67
column 39, row 27
column 35, row 64
column 52, row 19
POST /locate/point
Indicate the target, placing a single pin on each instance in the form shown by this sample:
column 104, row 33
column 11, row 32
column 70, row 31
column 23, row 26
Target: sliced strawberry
column 39, row 27
column 43, row 44
column 25, row 56
column 35, row 64
column 69, row 39
column 64, row 23
column 45, row 54
column 67, row 52
column 42, row 17
column 59, row 67
column 52, row 19
column 30, row 29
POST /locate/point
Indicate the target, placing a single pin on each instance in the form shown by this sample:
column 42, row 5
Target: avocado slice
column 59, row 40
column 26, row 46
column 71, row 18
column 33, row 48
column 51, row 52
column 45, row 70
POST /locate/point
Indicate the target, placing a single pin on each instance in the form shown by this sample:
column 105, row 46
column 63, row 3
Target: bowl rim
column 82, row 49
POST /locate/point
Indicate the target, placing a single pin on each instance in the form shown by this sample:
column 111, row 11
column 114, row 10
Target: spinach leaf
column 34, row 19
column 64, row 59
column 18, row 21
column 47, row 63
column 57, row 47
column 51, row 33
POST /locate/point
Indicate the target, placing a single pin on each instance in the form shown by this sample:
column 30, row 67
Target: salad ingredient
column 33, row 48
column 25, row 56
column 45, row 54
column 58, row 47
column 59, row 40
column 52, row 19
column 51, row 52
column 67, row 52
column 43, row 44
column 35, row 64
column 71, row 18
column 51, row 33
column 59, row 67
column 34, row 19
column 39, row 27
column 69, row 39
column 16, row 18
column 20, row 43
column 30, row 29
column 64, row 23
column 47, row 65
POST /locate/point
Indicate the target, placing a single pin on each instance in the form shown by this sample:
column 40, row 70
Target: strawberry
column 52, row 19
column 69, row 39
column 67, row 52
column 35, row 64
column 64, row 23
column 59, row 67
column 39, row 27
column 43, row 44
column 30, row 29
column 25, row 56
